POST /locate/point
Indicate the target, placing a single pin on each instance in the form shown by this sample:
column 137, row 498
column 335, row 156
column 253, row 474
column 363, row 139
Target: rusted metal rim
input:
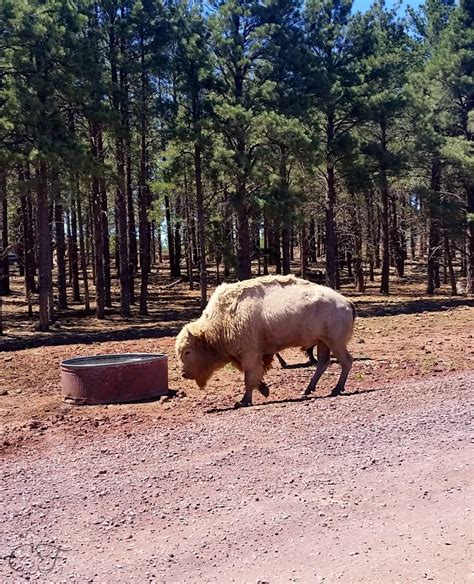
column 107, row 360
column 125, row 377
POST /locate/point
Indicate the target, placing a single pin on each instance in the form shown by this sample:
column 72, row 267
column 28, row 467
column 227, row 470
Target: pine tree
column 334, row 109
column 386, row 67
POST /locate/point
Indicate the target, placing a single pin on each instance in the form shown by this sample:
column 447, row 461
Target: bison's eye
column 187, row 353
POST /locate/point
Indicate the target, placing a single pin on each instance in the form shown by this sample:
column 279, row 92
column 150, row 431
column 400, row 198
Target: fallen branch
column 172, row 284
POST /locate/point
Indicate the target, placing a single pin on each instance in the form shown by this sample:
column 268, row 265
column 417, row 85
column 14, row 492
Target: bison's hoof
column 241, row 404
column 263, row 389
column 307, row 392
column 335, row 392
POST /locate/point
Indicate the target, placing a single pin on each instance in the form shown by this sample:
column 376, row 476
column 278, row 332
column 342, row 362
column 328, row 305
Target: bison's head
column 198, row 360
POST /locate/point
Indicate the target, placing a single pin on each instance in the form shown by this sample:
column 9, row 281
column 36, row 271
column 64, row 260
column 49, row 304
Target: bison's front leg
column 253, row 373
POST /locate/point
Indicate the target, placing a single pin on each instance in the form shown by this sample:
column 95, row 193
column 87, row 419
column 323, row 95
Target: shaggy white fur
column 246, row 323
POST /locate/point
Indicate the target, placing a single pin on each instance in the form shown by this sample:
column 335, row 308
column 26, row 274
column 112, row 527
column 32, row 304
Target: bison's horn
column 194, row 332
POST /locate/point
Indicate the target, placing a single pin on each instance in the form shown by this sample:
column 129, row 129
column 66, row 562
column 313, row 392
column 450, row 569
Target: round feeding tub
column 108, row 379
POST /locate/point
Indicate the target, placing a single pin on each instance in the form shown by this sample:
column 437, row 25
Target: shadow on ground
column 174, row 319
column 292, row 400
column 418, row 306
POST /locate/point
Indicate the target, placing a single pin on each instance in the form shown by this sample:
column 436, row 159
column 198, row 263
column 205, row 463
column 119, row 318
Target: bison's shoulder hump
column 227, row 296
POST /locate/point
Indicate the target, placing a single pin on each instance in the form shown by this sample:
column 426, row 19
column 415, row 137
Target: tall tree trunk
column 24, row 180
column 285, row 245
column 132, row 232
column 357, row 246
column 433, row 228
column 265, row 244
column 105, row 245
column 332, row 271
column 160, row 245
column 397, row 249
column 96, row 213
column 44, row 241
column 201, row 219
column 73, row 254
column 122, row 240
column 312, row 240
column 304, row 250
column 170, row 234
column 243, row 234
column 82, row 247
column 227, row 233
column 89, row 234
column 143, row 191
column 60, row 239
column 274, row 239
column 4, row 263
column 177, row 240
column 449, row 262
column 67, row 226
column 350, row 273
column 51, row 303
column 385, row 212
column 105, row 220
column 188, row 243
column 120, row 193
column 286, row 219
column 98, row 251
column 470, row 238
column 153, row 242
column 60, row 255
column 143, row 225
column 384, row 284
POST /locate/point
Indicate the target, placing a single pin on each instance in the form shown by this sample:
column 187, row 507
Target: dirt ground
column 369, row 487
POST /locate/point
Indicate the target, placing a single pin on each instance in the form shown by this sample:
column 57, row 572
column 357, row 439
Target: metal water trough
column 107, row 379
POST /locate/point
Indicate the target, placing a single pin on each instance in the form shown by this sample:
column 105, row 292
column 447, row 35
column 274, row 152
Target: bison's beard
column 212, row 364
column 204, row 375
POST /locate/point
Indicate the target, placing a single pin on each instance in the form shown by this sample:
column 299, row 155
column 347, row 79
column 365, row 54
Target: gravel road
column 368, row 487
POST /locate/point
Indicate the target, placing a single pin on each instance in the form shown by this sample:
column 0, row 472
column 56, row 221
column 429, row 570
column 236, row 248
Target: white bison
column 248, row 322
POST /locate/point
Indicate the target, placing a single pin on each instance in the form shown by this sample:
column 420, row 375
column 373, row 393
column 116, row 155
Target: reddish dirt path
column 386, row 348
column 369, row 487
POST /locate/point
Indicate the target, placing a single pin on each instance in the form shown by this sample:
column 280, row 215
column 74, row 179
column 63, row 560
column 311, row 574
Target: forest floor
column 368, row 487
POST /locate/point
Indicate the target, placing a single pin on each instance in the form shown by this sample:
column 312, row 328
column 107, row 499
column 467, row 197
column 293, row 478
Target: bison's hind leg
column 282, row 361
column 311, row 358
column 324, row 355
column 345, row 359
column 263, row 389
